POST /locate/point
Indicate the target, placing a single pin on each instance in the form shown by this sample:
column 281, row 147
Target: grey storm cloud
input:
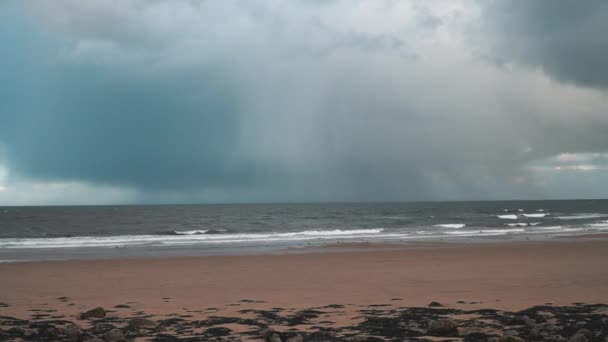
column 307, row 100
column 148, row 132
column 566, row 39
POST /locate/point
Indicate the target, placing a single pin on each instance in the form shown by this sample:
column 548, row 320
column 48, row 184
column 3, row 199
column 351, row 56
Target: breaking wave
column 198, row 232
column 213, row 237
column 585, row 216
column 451, row 225
column 602, row 224
column 487, row 232
column 536, row 215
column 187, row 238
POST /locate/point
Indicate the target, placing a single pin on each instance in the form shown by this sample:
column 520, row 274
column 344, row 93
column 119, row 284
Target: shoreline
column 142, row 253
column 332, row 247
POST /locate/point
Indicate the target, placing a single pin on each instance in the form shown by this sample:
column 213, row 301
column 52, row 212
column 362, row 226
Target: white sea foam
column 467, row 232
column 508, row 217
column 486, row 232
column 518, row 224
column 425, row 232
column 602, row 224
column 535, row 223
column 559, row 229
column 199, row 231
column 536, row 215
column 190, row 239
column 570, row 230
column 451, row 225
column 503, row 231
column 584, row 216
column 556, row 229
column 191, row 232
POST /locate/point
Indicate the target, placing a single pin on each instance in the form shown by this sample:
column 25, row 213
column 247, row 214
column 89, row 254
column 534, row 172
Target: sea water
column 85, row 232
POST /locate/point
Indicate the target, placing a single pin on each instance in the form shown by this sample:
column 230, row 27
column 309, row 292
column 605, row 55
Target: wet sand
column 508, row 276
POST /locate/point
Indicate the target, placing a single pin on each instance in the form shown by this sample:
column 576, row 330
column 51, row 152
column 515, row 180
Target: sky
column 232, row 101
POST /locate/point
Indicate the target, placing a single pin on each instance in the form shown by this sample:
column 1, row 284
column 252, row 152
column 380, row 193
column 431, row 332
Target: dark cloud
column 84, row 122
column 284, row 104
column 95, row 124
column 566, row 39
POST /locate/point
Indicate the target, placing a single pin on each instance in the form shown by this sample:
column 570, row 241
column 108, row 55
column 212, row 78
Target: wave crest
column 585, row 216
column 451, row 225
column 187, row 238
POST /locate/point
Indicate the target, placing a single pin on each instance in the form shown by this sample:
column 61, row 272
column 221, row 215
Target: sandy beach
column 506, row 276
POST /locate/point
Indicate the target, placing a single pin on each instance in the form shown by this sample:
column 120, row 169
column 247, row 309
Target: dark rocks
column 555, row 338
column 578, row 337
column 50, row 332
column 94, row 339
column 444, row 327
column 537, row 330
column 582, row 323
column 544, row 331
column 510, row 339
column 302, row 317
column 274, row 337
column 218, row 332
column 434, row 304
column 270, row 335
column 73, row 332
column 588, row 334
column 140, row 322
column 412, row 327
column 114, row 335
column 528, row 321
column 582, row 335
column 23, row 332
column 357, row 339
column 296, row 338
column 522, row 320
column 98, row 312
column 122, row 306
column 476, row 337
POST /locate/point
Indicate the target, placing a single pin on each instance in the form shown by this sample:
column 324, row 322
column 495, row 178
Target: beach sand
column 504, row 276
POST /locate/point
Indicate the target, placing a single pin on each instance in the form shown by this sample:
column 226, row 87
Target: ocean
column 96, row 232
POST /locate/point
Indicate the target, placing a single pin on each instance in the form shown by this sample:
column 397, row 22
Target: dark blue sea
column 89, row 232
